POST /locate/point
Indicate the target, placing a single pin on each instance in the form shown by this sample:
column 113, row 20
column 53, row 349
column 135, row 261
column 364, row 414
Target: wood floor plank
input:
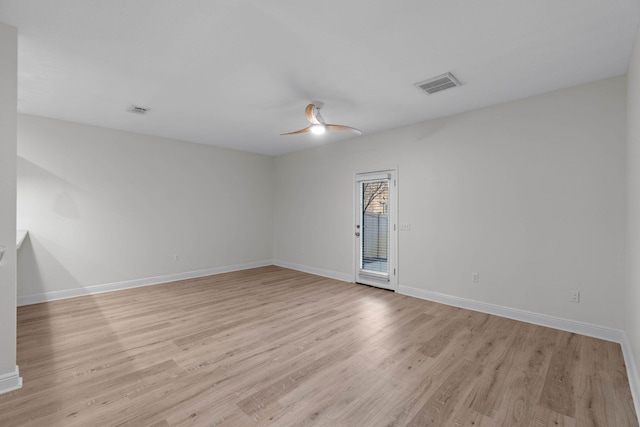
column 439, row 408
column 493, row 371
column 544, row 417
column 271, row 346
column 518, row 405
column 622, row 411
column 559, row 392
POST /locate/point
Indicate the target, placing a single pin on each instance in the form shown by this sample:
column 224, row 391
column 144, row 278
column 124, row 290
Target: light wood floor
column 272, row 346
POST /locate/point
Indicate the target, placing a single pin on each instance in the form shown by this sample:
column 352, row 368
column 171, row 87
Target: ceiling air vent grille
column 439, row 83
column 138, row 110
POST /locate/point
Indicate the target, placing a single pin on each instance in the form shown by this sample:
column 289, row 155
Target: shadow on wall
column 65, row 206
column 38, row 186
column 30, row 281
column 45, row 207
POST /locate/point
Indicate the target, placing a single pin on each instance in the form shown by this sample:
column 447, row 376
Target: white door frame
column 393, row 226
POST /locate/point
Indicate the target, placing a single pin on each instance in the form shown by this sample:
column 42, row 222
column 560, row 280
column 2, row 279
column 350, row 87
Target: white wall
column 105, row 206
column 529, row 194
column 8, row 109
column 632, row 297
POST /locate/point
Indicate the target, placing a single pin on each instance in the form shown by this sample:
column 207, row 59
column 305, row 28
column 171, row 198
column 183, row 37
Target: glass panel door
column 374, row 229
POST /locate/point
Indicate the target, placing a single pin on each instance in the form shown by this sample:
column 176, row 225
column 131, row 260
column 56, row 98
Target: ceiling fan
column 318, row 126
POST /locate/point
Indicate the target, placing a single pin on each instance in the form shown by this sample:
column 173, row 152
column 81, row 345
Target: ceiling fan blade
column 310, row 111
column 307, row 129
column 342, row 128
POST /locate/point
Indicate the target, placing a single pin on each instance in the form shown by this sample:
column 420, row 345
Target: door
column 375, row 229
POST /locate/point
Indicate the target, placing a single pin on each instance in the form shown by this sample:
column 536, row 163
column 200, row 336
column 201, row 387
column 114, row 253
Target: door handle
column 357, row 234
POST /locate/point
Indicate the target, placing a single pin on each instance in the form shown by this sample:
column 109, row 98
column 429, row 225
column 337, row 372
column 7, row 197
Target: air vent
column 138, row 110
column 438, row 84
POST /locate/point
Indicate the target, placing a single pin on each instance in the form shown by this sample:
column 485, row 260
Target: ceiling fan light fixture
column 318, row 129
column 318, row 125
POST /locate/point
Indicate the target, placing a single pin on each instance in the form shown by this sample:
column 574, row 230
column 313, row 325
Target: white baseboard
column 608, row 334
column 11, row 381
column 632, row 372
column 314, row 270
column 136, row 283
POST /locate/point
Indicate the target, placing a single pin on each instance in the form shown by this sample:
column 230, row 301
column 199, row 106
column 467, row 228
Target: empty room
column 244, row 213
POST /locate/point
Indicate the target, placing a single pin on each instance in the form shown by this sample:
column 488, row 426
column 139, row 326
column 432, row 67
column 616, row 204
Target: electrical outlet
column 475, row 277
column 575, row 296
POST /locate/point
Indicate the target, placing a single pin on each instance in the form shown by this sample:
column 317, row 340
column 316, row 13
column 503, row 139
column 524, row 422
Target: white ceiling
column 237, row 73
